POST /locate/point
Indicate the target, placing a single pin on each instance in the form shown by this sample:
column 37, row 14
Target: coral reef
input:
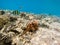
column 29, row 29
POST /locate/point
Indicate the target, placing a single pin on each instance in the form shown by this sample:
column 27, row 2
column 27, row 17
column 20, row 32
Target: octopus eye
column 32, row 23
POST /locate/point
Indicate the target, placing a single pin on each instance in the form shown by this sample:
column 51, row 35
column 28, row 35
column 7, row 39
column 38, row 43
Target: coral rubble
column 29, row 29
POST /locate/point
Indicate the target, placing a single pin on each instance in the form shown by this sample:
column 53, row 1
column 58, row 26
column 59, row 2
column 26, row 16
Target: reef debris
column 29, row 29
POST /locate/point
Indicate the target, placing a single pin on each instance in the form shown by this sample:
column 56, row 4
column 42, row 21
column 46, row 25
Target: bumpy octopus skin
column 31, row 26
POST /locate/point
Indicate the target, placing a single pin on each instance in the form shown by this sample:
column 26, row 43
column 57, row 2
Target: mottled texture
column 34, row 30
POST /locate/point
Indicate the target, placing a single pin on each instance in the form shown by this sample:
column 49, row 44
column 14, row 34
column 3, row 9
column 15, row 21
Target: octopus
column 31, row 26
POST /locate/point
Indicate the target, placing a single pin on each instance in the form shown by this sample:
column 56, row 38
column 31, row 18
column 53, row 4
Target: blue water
column 34, row 6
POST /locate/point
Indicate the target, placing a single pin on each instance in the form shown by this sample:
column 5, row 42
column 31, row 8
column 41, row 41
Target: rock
column 3, row 20
column 5, row 40
column 2, row 12
column 22, row 15
column 31, row 17
column 55, row 25
column 12, row 19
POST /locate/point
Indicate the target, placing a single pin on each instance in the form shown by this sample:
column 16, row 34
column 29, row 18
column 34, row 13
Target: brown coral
column 31, row 26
